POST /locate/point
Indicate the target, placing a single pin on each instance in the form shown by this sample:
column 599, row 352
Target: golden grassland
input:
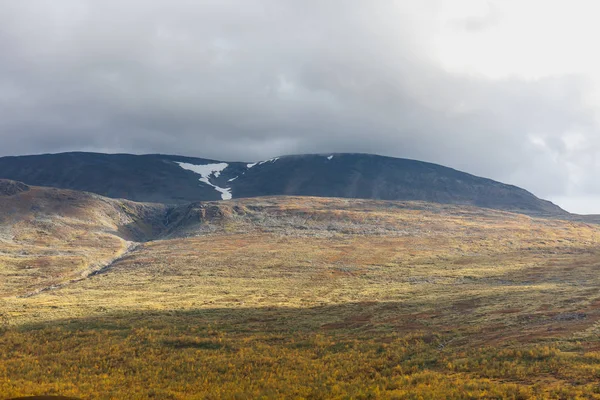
column 317, row 298
column 258, row 354
column 51, row 236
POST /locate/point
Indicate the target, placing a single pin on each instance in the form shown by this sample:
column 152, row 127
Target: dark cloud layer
column 248, row 80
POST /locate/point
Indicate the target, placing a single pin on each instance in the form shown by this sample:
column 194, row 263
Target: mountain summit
column 177, row 179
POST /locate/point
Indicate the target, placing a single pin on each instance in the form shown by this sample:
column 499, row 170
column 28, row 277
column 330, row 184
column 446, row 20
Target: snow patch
column 205, row 172
column 330, row 157
column 262, row 162
column 225, row 192
column 269, row 160
column 233, row 179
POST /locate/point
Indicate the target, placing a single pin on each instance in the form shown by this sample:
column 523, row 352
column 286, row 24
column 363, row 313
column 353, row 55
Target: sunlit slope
column 455, row 266
column 50, row 236
column 303, row 297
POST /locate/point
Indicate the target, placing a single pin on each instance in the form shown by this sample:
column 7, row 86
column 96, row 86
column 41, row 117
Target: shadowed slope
column 161, row 178
column 145, row 178
column 369, row 176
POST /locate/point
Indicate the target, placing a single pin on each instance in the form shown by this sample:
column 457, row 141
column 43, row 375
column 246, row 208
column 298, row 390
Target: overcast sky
column 506, row 89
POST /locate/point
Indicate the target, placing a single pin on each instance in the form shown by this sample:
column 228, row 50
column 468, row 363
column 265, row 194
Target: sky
column 506, row 89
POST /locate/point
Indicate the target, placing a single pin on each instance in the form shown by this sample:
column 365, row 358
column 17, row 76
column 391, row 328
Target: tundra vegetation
column 294, row 298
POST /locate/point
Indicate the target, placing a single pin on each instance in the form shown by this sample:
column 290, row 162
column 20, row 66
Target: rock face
column 177, row 180
column 11, row 188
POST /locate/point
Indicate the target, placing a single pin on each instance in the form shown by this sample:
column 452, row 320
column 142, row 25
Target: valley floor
column 320, row 298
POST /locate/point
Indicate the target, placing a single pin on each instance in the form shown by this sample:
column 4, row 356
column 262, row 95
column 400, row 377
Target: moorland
column 293, row 297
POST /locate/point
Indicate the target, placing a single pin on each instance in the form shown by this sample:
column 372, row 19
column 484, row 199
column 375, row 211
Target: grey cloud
column 248, row 80
column 481, row 22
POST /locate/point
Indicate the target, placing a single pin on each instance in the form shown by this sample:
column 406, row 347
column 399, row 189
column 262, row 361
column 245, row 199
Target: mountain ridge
column 173, row 179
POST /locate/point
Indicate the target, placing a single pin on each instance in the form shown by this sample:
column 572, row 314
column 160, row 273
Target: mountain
column 178, row 180
column 145, row 178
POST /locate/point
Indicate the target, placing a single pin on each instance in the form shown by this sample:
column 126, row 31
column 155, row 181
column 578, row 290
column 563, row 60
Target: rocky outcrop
column 11, row 188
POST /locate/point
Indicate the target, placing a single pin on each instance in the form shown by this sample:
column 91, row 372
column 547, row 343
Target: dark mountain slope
column 146, row 178
column 375, row 177
column 159, row 178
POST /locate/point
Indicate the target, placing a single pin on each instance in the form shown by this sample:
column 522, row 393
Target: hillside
column 293, row 297
column 180, row 180
column 50, row 236
column 147, row 178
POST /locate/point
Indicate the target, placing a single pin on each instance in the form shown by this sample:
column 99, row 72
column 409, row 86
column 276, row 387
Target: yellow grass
column 318, row 298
